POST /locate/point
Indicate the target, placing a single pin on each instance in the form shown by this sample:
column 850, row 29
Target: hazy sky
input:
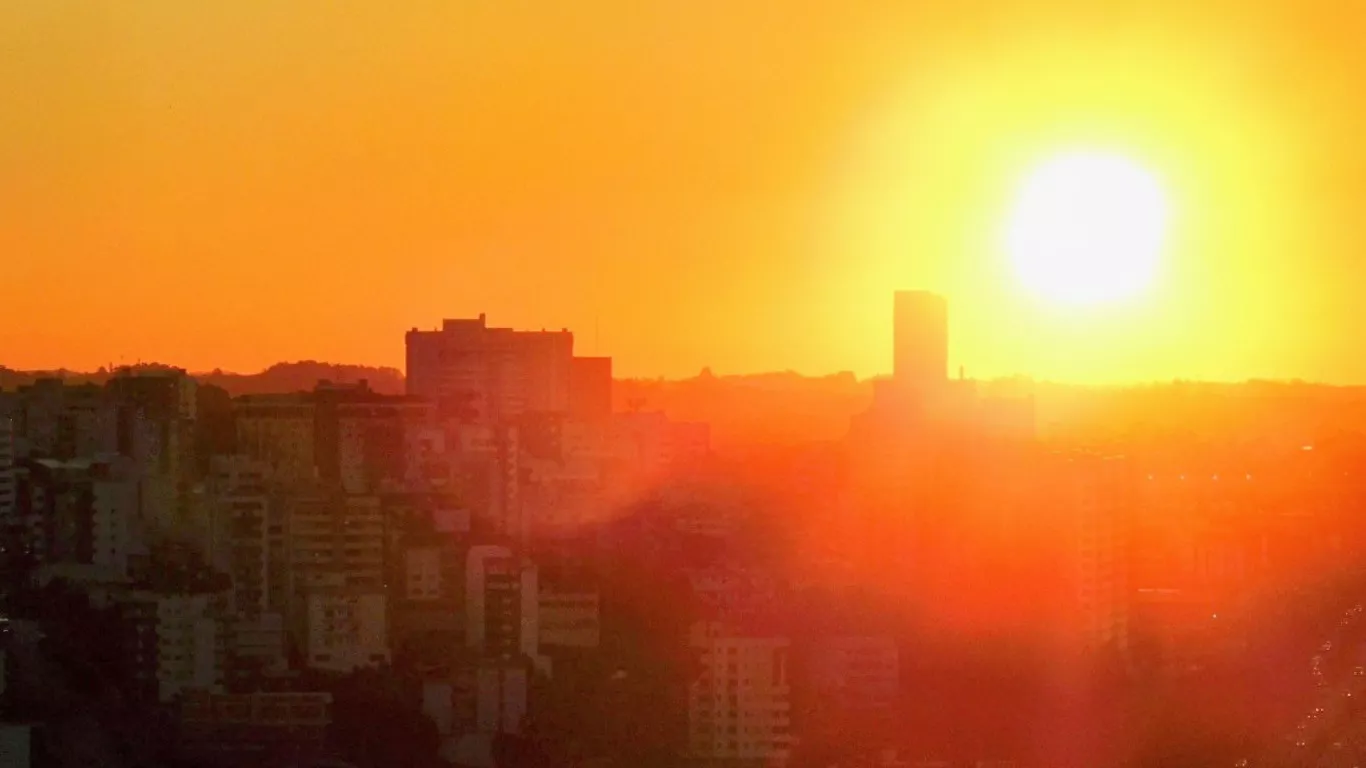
column 709, row 182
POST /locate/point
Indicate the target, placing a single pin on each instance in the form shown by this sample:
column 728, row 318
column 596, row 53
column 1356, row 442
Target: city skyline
column 682, row 384
column 492, row 540
column 360, row 172
column 919, row 330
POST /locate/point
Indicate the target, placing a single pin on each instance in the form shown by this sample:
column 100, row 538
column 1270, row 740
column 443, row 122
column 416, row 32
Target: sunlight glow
column 1087, row 228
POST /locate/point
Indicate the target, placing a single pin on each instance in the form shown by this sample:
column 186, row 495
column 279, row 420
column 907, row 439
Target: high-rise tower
column 920, row 332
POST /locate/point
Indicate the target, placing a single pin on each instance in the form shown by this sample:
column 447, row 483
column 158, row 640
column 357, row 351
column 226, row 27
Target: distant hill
column 301, row 376
column 281, row 377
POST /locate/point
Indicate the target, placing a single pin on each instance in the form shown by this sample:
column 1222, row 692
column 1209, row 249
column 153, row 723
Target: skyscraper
column 920, row 332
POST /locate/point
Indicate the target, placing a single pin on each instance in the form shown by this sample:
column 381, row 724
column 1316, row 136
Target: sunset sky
column 731, row 184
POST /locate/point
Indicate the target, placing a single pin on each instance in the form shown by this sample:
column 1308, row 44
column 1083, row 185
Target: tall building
column 239, row 532
column 54, row 420
column 154, row 419
column 920, row 401
column 501, row 604
column 1104, row 518
column 486, row 460
column 1092, row 498
column 190, row 649
column 330, row 533
column 7, row 470
column 346, row 436
column 279, row 431
column 740, row 706
column 488, row 374
column 483, row 374
column 362, row 435
column 920, row 355
column 135, row 635
column 81, row 512
column 425, row 561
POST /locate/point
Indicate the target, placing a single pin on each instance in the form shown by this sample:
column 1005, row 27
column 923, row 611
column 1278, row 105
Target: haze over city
column 511, row 384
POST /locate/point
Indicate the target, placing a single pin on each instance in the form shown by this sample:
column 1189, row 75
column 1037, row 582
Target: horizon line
column 64, row 372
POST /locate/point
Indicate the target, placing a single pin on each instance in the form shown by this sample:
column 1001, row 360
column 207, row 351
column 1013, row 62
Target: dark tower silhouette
column 920, row 333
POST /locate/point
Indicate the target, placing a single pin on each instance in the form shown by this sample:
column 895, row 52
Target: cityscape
column 507, row 565
column 682, row 384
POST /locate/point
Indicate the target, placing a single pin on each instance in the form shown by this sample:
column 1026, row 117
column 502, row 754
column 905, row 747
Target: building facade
column 190, row 644
column 501, row 604
column 570, row 618
column 8, row 497
column 740, row 707
column 345, row 628
column 921, row 339
column 484, row 374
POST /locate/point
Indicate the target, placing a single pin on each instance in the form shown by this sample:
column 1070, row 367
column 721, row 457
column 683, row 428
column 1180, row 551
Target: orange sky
column 723, row 183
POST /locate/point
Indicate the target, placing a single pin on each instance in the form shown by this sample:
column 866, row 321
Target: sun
column 1087, row 228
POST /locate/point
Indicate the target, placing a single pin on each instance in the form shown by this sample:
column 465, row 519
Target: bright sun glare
column 1087, row 228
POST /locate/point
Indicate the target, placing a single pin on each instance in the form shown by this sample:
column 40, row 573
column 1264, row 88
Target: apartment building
column 79, row 511
column 501, row 604
column 344, row 628
column 483, row 374
column 740, row 706
column 190, row 644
